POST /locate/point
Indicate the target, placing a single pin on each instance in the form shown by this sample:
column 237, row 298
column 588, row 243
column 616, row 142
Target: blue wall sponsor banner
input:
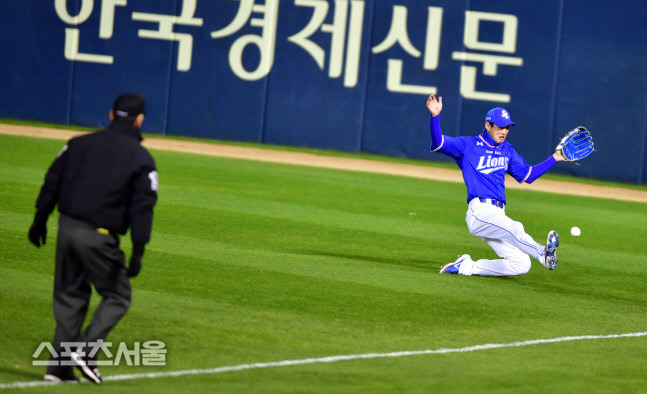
column 217, row 87
column 114, row 56
column 316, row 94
column 35, row 78
column 410, row 59
column 602, row 84
column 350, row 75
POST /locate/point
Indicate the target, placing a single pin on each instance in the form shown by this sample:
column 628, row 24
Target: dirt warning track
column 341, row 163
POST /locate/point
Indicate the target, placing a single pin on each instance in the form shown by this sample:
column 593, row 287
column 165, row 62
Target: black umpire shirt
column 104, row 178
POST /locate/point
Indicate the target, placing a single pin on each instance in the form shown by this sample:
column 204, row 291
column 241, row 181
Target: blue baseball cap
column 499, row 117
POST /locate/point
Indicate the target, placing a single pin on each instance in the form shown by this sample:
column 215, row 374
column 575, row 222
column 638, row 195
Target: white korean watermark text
column 150, row 353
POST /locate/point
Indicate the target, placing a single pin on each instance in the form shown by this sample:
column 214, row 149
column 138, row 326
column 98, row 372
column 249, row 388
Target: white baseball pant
column 505, row 236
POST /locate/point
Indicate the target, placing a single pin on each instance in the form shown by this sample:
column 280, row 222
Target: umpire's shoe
column 90, row 372
column 552, row 242
column 452, row 268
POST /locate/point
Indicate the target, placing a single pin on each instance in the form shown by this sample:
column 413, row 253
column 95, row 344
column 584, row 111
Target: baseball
column 575, row 231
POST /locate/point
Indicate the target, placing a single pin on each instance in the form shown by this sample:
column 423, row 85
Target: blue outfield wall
column 350, row 75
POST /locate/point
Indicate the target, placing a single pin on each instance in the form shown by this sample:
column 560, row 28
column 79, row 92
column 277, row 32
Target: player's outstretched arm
column 434, row 105
column 540, row 169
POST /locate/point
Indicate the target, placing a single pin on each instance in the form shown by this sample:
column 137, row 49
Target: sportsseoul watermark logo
column 151, row 353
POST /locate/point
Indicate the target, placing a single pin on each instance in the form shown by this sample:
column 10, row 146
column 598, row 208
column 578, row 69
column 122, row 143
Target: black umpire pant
column 86, row 257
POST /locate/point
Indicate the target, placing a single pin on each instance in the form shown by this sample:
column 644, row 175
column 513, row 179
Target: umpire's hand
column 38, row 230
column 135, row 264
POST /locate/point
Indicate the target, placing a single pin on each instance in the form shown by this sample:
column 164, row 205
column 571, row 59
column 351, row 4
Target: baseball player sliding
column 484, row 161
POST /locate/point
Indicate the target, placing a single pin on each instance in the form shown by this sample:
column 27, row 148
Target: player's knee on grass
column 519, row 264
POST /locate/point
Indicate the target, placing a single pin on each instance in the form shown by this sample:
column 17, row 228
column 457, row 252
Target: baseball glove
column 576, row 144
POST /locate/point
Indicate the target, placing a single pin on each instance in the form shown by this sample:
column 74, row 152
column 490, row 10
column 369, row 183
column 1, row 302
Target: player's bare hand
column 434, row 105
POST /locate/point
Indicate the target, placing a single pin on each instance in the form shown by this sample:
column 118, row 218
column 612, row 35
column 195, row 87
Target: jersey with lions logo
column 483, row 162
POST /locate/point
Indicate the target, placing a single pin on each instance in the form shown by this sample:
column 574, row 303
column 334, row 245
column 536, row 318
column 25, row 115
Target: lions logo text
column 490, row 164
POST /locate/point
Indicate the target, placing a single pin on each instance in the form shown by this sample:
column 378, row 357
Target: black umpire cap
column 128, row 106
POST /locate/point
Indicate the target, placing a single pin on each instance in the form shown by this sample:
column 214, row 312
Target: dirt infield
column 363, row 165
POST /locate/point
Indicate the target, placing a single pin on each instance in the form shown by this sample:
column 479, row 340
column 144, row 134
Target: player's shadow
column 425, row 264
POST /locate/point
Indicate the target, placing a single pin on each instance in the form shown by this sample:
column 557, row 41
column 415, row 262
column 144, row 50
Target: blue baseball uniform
column 484, row 164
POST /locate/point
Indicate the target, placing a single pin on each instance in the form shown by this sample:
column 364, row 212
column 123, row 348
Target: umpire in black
column 104, row 183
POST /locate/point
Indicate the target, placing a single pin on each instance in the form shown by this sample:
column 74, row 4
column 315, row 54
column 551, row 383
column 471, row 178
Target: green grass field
column 254, row 262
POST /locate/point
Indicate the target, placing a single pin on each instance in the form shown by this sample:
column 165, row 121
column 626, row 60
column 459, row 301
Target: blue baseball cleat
column 452, row 268
column 552, row 242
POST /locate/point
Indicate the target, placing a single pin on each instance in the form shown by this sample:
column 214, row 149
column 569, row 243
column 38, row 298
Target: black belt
column 83, row 223
column 492, row 201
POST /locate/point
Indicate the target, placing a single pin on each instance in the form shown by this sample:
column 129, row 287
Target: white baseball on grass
column 575, row 231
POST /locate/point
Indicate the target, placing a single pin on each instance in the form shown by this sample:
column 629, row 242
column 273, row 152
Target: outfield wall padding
column 349, row 75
